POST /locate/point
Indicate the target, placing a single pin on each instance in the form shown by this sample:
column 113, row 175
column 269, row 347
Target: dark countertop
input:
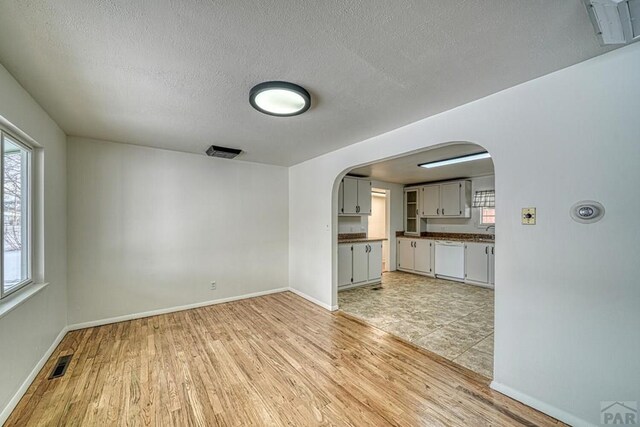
column 458, row 237
column 360, row 240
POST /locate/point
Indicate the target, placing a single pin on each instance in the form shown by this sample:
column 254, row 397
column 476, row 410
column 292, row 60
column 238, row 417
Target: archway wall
column 566, row 293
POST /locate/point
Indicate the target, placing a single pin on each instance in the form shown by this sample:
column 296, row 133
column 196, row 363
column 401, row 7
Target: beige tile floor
column 451, row 319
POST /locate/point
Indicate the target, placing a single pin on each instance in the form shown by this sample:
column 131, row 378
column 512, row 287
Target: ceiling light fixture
column 454, row 160
column 280, row 99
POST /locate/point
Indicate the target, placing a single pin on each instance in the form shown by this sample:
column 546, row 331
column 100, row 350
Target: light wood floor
column 272, row 360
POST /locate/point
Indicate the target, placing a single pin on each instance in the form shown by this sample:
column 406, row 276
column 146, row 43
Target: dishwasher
column 450, row 260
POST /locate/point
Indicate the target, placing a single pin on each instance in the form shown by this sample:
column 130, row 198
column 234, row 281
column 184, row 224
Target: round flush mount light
column 280, row 99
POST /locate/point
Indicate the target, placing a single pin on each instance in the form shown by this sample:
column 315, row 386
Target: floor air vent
column 61, row 367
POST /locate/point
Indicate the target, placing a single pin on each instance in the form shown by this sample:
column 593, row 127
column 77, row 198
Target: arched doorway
column 438, row 293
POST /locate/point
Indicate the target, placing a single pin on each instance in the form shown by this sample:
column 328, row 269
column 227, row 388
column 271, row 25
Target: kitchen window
column 16, row 189
column 487, row 216
column 485, row 200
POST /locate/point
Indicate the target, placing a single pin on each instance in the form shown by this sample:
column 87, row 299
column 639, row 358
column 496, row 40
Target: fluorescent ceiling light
column 454, row 160
column 281, row 99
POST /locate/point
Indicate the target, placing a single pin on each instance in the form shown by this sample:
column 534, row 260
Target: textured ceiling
column 405, row 170
column 176, row 74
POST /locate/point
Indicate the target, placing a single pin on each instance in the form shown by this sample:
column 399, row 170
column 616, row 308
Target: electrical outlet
column 213, row 285
column 529, row 216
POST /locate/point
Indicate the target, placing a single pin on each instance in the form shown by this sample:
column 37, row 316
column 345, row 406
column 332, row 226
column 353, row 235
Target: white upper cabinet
column 364, row 197
column 430, row 200
column 451, row 199
column 446, row 200
column 354, row 197
column 412, row 211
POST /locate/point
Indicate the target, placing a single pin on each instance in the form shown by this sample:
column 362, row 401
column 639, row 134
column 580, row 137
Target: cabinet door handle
column 493, row 251
column 486, row 250
column 438, row 211
column 442, row 211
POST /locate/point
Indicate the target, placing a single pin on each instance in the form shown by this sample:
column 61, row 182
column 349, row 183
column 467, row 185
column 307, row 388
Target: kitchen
column 436, row 291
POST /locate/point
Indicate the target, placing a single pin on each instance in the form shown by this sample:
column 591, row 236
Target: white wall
column 470, row 225
column 27, row 332
column 150, row 229
column 353, row 224
column 567, row 294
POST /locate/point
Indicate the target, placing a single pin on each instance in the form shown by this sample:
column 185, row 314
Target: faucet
column 491, row 226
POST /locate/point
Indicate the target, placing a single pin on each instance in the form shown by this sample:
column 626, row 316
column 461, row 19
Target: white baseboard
column 313, row 300
column 141, row 315
column 32, row 376
column 27, row 382
column 559, row 414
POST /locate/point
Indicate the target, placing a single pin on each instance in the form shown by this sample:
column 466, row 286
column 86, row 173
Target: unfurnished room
column 337, row 213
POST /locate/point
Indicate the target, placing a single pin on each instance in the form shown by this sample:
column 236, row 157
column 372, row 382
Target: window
column 487, row 216
column 16, row 215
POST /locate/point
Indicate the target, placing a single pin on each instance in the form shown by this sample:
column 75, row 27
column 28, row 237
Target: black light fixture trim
column 257, row 89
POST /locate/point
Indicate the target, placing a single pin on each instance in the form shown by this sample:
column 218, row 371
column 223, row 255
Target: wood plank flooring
column 272, row 360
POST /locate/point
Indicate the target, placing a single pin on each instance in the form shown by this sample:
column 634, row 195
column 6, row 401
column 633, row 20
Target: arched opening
column 414, row 249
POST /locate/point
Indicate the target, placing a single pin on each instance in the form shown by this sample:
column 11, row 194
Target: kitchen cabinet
column 479, row 263
column 422, row 250
column 413, row 226
column 492, row 266
column 430, row 205
column 405, row 255
column 446, row 200
column 415, row 255
column 359, row 264
column 345, row 264
column 354, row 196
column 375, row 261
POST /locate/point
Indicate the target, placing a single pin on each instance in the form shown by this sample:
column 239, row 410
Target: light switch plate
column 529, row 216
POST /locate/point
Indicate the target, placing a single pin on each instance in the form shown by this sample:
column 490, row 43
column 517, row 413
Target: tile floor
column 451, row 319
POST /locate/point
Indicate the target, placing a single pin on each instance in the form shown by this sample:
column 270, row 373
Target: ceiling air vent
column 615, row 21
column 222, row 152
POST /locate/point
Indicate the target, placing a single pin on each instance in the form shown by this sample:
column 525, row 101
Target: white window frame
column 481, row 223
column 30, row 213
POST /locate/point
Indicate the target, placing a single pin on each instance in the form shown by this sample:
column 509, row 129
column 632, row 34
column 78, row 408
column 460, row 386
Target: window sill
column 11, row 302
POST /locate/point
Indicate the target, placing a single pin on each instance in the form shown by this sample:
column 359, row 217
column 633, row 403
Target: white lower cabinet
column 479, row 263
column 415, row 255
column 359, row 263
